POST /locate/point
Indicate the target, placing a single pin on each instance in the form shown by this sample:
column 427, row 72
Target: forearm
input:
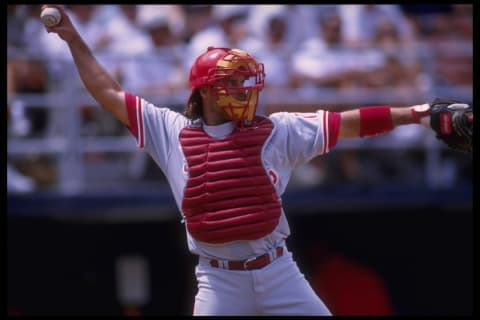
column 99, row 83
column 403, row 116
column 371, row 121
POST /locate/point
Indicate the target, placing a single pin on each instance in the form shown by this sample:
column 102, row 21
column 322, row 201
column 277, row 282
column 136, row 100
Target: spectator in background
column 398, row 65
column 295, row 33
column 158, row 69
column 357, row 46
column 26, row 73
column 123, row 27
column 271, row 43
column 228, row 30
column 423, row 15
column 450, row 37
column 360, row 22
column 197, row 17
column 325, row 60
column 91, row 21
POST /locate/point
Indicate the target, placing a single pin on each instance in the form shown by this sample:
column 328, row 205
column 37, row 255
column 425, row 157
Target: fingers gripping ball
column 51, row 16
column 453, row 123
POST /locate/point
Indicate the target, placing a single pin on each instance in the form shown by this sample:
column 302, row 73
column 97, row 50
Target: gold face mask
column 238, row 99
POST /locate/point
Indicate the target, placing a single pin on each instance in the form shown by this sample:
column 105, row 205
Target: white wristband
column 421, row 114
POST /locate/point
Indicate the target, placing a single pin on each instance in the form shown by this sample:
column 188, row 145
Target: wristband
column 421, row 114
column 375, row 120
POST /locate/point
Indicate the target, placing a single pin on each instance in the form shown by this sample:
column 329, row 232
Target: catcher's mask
column 215, row 68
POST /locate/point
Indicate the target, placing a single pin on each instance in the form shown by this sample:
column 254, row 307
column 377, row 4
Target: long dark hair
column 194, row 108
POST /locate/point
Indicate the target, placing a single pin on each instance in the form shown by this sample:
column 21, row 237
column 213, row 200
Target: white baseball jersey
column 295, row 139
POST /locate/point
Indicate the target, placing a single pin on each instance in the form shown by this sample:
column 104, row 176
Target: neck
column 214, row 119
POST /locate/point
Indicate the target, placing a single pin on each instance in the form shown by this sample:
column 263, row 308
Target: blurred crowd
column 150, row 49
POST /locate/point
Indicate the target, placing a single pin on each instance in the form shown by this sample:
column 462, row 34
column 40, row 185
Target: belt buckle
column 245, row 267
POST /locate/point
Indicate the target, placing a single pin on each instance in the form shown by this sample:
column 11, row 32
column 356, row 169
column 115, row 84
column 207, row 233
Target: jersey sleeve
column 155, row 129
column 307, row 135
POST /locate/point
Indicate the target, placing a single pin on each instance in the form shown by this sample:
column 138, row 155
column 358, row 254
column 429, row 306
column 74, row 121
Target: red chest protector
column 228, row 195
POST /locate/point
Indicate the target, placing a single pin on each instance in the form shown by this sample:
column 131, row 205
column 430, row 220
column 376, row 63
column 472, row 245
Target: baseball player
column 228, row 168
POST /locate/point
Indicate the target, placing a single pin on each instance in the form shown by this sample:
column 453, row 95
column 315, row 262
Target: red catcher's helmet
column 215, row 66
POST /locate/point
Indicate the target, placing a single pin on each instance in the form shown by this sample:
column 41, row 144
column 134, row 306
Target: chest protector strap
column 228, row 195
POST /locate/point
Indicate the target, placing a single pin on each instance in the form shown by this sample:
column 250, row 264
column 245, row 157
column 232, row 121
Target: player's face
column 212, row 113
column 233, row 86
column 233, row 96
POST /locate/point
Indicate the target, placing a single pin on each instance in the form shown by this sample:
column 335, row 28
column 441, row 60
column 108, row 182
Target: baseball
column 51, row 16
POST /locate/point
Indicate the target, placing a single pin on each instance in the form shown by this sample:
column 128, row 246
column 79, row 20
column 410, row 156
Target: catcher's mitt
column 453, row 123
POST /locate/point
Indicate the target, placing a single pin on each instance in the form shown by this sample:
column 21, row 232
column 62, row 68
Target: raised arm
column 99, row 83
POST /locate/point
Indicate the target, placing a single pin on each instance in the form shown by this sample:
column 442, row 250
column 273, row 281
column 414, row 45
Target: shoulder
column 156, row 113
column 283, row 116
column 278, row 118
column 298, row 118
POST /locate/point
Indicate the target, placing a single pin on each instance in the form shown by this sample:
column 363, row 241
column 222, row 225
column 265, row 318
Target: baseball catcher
column 228, row 168
column 453, row 123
